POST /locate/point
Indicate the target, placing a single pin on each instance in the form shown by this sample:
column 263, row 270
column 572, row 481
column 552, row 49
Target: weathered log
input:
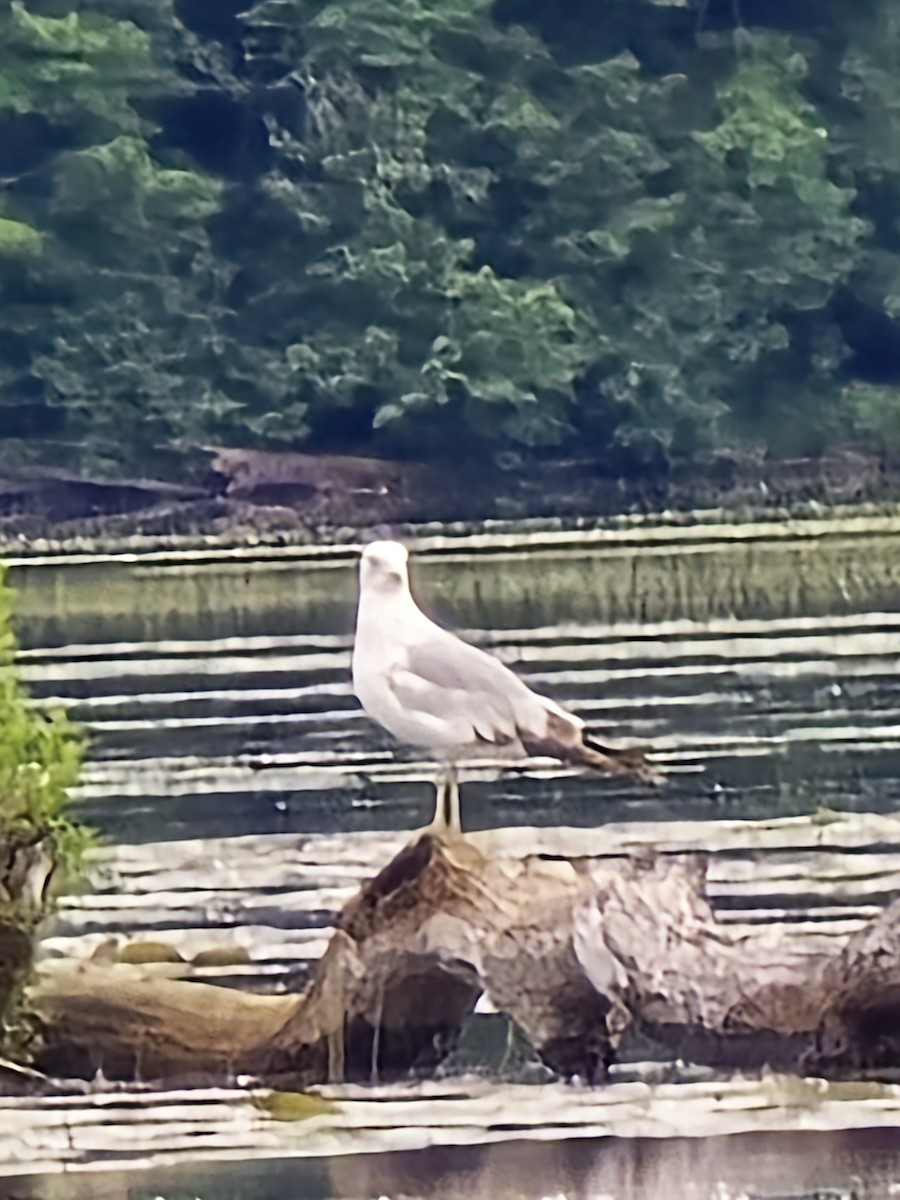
column 27, row 863
column 579, row 955
column 649, row 941
column 55, row 495
column 347, row 489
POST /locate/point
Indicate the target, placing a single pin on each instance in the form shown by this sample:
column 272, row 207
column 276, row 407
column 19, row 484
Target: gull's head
column 383, row 567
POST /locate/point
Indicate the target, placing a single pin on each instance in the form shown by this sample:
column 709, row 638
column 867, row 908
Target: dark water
column 760, row 719
column 856, row 1165
column 245, row 797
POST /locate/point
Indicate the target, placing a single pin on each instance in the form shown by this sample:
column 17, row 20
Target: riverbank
column 697, row 566
column 247, row 497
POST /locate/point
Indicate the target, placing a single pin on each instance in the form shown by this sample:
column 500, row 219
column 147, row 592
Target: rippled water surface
column 245, row 797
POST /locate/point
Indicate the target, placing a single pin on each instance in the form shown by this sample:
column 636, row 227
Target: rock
column 221, row 956
column 138, row 953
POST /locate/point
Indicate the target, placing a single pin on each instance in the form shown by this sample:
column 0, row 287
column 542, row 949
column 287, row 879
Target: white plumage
column 430, row 689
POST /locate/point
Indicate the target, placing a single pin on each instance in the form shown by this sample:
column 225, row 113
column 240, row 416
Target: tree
column 434, row 226
column 40, row 760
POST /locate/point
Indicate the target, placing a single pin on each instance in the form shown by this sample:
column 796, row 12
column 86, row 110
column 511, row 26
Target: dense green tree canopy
column 445, row 226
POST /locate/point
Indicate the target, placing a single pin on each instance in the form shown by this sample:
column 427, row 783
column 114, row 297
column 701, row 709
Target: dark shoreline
column 306, row 498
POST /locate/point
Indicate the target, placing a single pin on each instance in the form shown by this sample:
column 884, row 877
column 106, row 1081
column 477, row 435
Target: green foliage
column 515, row 345
column 77, row 64
column 40, row 756
column 17, row 238
column 874, row 413
column 422, row 225
column 119, row 183
column 765, row 119
column 40, row 760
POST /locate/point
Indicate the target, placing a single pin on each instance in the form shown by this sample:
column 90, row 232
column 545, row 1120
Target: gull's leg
column 446, row 817
column 453, row 816
column 439, row 820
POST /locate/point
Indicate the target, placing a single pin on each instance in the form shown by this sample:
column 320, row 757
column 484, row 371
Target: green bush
column 40, row 759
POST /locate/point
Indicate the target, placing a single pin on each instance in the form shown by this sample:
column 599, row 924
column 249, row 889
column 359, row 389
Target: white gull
column 430, row 689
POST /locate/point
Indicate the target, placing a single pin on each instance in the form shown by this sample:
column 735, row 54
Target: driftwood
column 343, row 487
column 56, row 495
column 26, row 867
column 579, row 956
column 351, row 489
column 286, row 478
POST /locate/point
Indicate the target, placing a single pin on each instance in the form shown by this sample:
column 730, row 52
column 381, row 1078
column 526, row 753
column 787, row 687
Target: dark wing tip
column 627, row 761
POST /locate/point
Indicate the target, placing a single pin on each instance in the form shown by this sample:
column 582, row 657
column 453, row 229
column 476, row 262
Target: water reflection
column 795, row 1165
column 862, row 1164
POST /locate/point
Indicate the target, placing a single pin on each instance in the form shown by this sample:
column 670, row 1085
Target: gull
column 432, row 690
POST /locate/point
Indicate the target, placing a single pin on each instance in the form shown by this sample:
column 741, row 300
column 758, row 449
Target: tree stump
column 577, row 954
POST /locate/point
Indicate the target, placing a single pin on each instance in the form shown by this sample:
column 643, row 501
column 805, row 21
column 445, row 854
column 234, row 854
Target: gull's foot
column 446, row 821
column 437, row 829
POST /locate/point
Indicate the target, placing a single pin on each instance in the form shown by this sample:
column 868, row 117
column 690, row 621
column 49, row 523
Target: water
column 244, row 798
column 778, row 1138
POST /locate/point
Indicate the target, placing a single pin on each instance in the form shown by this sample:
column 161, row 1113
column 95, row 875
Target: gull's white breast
column 380, row 653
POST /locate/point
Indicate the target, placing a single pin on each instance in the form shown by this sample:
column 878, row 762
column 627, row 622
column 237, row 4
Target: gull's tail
column 566, row 740
column 626, row 760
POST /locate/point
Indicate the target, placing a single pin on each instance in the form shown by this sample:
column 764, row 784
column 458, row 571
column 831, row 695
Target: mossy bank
column 696, row 566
